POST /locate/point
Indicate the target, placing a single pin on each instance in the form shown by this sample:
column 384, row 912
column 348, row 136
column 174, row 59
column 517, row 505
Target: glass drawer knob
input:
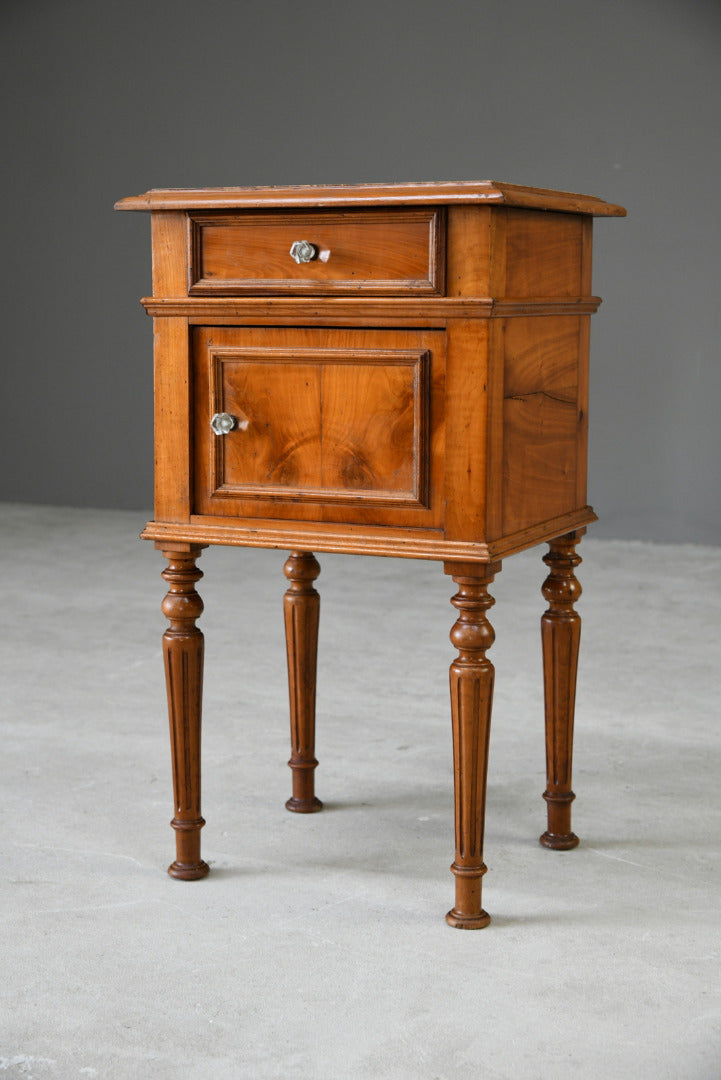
column 303, row 251
column 222, row 423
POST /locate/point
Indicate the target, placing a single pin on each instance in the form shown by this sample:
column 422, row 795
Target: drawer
column 326, row 424
column 388, row 252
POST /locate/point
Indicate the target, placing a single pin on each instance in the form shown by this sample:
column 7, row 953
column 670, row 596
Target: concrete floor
column 317, row 948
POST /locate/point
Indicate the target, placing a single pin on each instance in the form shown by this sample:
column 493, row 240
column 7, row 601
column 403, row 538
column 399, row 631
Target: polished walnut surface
column 445, row 192
column 387, row 252
column 401, row 370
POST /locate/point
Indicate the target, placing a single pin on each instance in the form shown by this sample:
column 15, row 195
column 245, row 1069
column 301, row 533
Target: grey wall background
column 617, row 99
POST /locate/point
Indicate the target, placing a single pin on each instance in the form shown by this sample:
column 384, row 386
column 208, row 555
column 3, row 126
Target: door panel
column 328, row 423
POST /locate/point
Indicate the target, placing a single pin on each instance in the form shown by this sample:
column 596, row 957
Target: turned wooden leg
column 471, row 678
column 301, row 608
column 183, row 653
column 561, row 635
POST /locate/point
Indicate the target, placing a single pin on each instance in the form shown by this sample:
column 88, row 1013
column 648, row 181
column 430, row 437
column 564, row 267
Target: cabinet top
column 492, row 192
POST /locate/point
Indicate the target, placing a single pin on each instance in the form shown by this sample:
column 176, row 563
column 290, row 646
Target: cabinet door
column 329, row 424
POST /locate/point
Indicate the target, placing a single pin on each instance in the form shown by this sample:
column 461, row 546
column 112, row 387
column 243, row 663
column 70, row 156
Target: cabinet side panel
column 544, row 254
column 172, row 420
column 584, row 346
column 543, row 425
column 584, row 337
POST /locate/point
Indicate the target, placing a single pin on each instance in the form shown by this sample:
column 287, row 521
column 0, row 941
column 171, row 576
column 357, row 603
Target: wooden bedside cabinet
column 394, row 369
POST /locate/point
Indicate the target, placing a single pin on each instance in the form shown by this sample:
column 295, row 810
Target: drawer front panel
column 391, row 252
column 329, row 425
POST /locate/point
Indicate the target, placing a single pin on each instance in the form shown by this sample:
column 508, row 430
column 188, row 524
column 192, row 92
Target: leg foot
column 460, row 922
column 189, row 873
column 188, row 866
column 304, row 806
column 471, row 683
column 183, row 655
column 467, row 914
column 560, row 635
column 301, row 608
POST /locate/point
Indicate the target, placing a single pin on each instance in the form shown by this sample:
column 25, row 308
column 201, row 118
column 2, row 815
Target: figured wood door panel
column 340, row 425
column 335, row 424
column 374, row 423
column 279, row 400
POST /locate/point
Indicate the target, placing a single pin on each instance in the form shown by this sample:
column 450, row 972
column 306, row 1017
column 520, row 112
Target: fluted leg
column 471, row 680
column 183, row 653
column 561, row 635
column 301, row 608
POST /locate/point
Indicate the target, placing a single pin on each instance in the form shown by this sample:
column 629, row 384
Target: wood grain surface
column 419, row 389
column 342, row 425
column 361, row 251
column 444, row 193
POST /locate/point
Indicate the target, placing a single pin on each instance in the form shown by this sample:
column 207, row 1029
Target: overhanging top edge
column 426, row 193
